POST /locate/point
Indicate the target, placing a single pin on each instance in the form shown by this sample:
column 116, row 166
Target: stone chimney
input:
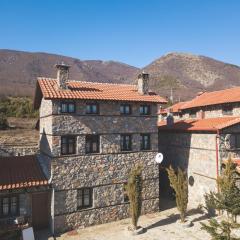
column 62, row 75
column 143, row 83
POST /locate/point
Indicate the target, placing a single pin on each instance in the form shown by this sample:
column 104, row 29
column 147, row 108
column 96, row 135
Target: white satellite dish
column 159, row 158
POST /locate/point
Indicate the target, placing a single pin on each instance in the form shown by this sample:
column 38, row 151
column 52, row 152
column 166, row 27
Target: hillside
column 19, row 70
column 188, row 74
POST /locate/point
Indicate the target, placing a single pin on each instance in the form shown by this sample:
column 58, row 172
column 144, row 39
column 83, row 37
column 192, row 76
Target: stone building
column 24, row 194
column 91, row 135
column 175, row 110
column 202, row 140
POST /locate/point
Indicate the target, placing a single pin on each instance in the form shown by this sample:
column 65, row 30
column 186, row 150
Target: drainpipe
column 217, row 156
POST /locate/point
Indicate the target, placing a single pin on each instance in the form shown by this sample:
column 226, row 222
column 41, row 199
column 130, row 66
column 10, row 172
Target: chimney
column 143, row 83
column 170, row 119
column 62, row 75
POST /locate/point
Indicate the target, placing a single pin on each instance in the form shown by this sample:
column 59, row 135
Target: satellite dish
column 159, row 158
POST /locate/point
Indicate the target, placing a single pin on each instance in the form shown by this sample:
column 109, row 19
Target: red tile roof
column 212, row 98
column 209, row 124
column 176, row 108
column 95, row 91
column 20, row 172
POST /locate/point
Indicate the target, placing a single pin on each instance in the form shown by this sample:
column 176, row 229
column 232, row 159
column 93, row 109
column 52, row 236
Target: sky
column 135, row 32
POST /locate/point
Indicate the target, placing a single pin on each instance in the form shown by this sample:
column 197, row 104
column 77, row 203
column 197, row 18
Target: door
column 40, row 210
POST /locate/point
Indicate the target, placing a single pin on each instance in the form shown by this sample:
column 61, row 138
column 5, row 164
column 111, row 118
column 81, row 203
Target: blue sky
column 131, row 31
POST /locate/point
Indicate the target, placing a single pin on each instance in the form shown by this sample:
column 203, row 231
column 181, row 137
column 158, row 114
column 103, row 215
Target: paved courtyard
column 160, row 225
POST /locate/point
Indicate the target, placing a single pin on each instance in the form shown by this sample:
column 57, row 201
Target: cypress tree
column 134, row 189
column 179, row 182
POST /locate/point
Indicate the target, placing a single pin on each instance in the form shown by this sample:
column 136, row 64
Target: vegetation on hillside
column 21, row 107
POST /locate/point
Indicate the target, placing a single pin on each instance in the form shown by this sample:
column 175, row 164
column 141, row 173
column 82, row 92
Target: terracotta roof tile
column 176, row 108
column 209, row 124
column 20, row 172
column 95, row 91
column 212, row 98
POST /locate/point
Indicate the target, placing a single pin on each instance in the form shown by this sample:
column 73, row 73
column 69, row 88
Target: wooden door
column 40, row 210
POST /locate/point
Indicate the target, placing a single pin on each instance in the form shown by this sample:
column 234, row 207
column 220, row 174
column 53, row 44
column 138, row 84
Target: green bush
column 134, row 189
column 18, row 107
column 3, row 121
column 179, row 182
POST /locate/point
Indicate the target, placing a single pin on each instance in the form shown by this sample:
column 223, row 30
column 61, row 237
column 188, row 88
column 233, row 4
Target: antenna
column 171, row 95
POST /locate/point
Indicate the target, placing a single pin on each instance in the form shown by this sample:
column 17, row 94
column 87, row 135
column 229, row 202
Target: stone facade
column 105, row 172
column 198, row 153
column 212, row 111
column 13, row 150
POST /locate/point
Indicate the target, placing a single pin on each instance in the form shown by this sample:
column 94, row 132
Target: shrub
column 179, row 182
column 134, row 189
column 3, row 121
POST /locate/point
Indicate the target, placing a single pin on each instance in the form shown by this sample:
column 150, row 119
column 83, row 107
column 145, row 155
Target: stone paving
column 160, row 225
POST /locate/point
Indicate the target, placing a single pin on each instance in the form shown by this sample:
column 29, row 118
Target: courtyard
column 162, row 225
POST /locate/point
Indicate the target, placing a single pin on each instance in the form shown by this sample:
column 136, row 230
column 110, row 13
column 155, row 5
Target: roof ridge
column 78, row 81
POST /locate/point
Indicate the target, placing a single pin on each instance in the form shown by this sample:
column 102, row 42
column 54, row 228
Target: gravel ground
column 160, row 225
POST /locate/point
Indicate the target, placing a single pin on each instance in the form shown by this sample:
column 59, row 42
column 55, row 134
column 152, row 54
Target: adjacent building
column 91, row 136
column 202, row 140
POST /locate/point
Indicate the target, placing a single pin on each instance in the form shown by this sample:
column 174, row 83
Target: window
column 9, row 206
column 125, row 193
column 227, row 110
column 144, row 110
column 193, row 114
column 92, row 108
column 68, row 107
column 126, row 142
column 92, row 143
column 125, row 109
column 84, row 198
column 68, row 145
column 145, row 142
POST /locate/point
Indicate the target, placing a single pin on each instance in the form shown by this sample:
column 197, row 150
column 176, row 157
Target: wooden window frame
column 82, row 196
column 67, row 145
column 68, row 109
column 227, row 110
column 9, row 197
column 91, row 143
column 142, row 141
column 124, row 109
column 193, row 114
column 143, row 113
column 123, row 144
column 91, row 112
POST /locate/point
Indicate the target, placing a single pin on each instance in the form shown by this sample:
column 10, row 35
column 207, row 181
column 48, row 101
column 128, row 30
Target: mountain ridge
column 184, row 74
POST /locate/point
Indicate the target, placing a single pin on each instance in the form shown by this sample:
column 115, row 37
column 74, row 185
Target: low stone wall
column 13, row 150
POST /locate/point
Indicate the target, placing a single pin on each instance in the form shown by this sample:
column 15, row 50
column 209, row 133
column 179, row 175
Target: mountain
column 188, row 74
column 19, row 71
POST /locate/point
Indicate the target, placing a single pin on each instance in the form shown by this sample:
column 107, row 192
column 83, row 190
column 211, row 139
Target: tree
column 3, row 121
column 179, row 182
column 220, row 231
column 226, row 199
column 134, row 189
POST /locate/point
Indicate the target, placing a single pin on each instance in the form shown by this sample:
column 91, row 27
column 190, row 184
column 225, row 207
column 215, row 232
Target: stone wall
column 106, row 175
column 13, row 150
column 195, row 152
column 214, row 111
column 105, row 172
